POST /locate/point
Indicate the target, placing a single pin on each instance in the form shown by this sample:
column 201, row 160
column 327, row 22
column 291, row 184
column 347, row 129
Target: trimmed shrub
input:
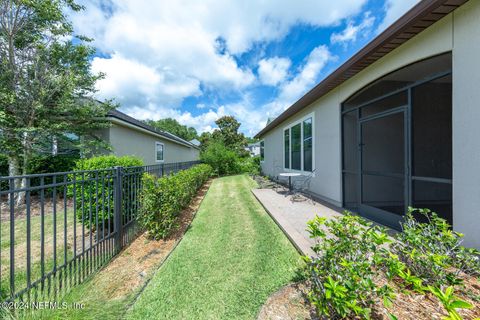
column 343, row 274
column 105, row 162
column 163, row 198
column 96, row 192
column 222, row 160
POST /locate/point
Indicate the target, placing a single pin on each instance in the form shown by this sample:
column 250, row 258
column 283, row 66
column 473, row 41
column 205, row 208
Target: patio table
column 290, row 175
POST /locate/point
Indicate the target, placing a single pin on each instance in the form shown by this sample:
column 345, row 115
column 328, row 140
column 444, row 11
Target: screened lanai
column 397, row 143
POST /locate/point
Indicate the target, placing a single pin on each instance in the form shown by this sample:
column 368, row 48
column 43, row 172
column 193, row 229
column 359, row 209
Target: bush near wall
column 164, row 198
column 105, row 162
column 86, row 192
column 358, row 264
column 249, row 165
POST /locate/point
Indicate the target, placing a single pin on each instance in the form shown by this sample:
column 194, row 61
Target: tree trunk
column 26, row 158
column 14, row 170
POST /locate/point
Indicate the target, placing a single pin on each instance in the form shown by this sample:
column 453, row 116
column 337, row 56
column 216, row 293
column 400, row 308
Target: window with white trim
column 298, row 145
column 159, row 151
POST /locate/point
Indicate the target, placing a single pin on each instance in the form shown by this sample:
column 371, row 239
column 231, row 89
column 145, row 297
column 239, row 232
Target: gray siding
column 128, row 141
column 457, row 32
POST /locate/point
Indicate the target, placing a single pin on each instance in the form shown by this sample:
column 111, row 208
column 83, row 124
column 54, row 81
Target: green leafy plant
column 250, row 165
column 93, row 188
column 163, row 198
column 415, row 282
column 432, row 251
column 223, row 160
column 450, row 302
column 342, row 273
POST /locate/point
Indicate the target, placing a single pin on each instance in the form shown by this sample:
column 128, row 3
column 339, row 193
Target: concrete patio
column 292, row 216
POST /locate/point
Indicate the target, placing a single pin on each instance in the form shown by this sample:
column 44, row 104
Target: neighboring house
column 396, row 125
column 129, row 136
column 254, row 149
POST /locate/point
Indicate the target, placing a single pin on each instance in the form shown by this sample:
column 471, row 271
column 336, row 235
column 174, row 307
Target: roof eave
column 359, row 61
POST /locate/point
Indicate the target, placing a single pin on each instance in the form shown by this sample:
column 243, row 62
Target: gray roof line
column 124, row 117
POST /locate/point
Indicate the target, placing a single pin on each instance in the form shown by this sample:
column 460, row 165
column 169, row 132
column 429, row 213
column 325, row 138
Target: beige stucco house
column 397, row 125
column 129, row 136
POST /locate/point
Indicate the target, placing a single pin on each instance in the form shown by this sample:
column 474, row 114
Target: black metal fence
column 57, row 229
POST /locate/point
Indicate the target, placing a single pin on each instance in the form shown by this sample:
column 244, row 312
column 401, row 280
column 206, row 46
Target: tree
column 228, row 133
column 46, row 83
column 205, row 139
column 174, row 127
column 252, row 140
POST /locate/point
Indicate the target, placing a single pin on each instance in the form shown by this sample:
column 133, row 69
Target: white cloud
column 273, row 71
column 157, row 53
column 136, row 84
column 292, row 90
column 394, row 9
column 351, row 32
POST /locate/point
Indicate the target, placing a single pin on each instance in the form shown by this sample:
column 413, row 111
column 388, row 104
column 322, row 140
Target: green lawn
column 229, row 262
column 35, row 247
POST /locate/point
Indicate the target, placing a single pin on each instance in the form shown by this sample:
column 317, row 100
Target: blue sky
column 198, row 60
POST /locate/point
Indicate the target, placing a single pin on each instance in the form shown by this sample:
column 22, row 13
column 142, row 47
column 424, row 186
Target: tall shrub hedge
column 223, row 160
column 163, row 198
column 96, row 190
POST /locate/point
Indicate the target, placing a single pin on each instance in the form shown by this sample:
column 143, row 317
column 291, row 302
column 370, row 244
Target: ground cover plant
column 228, row 263
column 359, row 264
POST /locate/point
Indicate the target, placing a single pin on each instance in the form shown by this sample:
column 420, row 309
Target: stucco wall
column 466, row 120
column 327, row 183
column 128, row 141
column 457, row 32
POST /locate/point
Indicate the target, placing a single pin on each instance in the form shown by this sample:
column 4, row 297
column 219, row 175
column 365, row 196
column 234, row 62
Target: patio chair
column 300, row 187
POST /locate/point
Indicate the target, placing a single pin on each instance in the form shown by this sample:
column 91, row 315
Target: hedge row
column 163, row 198
column 95, row 189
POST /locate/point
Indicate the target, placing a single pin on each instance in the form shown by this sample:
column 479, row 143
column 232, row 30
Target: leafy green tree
column 205, row 138
column 251, row 140
column 46, row 82
column 228, row 134
column 174, row 127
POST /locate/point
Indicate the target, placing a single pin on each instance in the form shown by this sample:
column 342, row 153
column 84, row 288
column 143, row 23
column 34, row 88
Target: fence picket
column 106, row 202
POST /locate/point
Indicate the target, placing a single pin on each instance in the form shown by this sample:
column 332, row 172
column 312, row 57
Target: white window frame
column 310, row 115
column 157, row 143
column 260, row 146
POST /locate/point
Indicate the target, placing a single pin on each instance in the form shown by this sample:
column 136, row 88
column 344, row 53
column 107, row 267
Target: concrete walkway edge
column 298, row 241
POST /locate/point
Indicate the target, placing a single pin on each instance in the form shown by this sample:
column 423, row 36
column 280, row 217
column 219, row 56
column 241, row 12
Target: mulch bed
column 291, row 302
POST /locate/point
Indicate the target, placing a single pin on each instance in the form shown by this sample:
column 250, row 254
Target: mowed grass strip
column 229, row 262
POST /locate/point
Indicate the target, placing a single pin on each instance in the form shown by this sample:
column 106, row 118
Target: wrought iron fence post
column 117, row 212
